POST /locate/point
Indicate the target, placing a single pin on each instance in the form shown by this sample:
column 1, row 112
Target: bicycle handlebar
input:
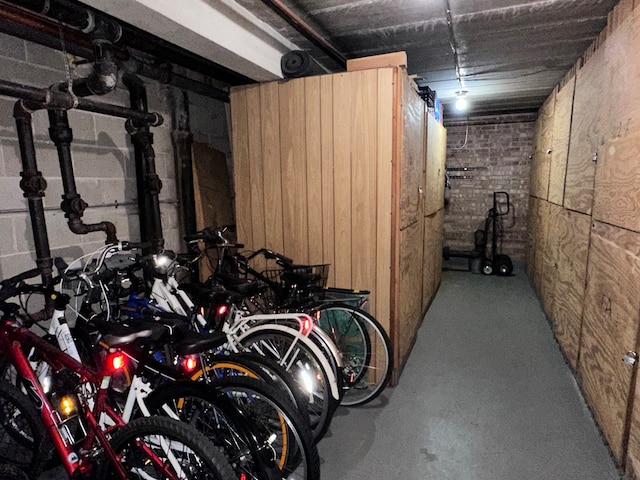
column 10, row 286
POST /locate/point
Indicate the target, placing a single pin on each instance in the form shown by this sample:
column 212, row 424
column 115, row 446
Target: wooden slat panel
column 364, row 178
column 586, row 134
column 342, row 142
column 617, row 195
column 313, row 122
column 385, row 122
column 412, row 186
column 572, row 235
column 294, row 173
column 270, row 120
column 610, row 326
column 241, row 165
column 326, row 145
column 560, row 148
column 257, row 169
column 541, row 162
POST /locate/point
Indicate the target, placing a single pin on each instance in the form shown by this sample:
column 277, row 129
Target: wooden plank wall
column 332, row 169
column 587, row 229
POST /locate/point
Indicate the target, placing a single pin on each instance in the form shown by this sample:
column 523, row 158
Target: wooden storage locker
column 333, row 169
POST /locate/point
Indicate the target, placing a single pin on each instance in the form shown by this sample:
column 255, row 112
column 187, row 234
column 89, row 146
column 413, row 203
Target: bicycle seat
column 115, row 334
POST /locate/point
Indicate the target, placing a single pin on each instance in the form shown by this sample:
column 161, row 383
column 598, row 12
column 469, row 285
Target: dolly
column 491, row 261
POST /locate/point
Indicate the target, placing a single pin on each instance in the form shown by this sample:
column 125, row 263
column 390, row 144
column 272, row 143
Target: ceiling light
column 461, row 102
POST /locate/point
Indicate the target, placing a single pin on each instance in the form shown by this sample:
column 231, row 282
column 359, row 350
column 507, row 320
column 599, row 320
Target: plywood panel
column 610, row 326
column 413, row 155
column 439, row 227
column 560, row 142
column 294, row 173
column 364, row 173
column 436, row 151
column 550, row 253
column 586, row 140
column 313, row 122
column 541, row 218
column 431, row 235
column 572, row 236
column 617, row 195
column 410, row 308
column 532, row 236
column 541, row 161
column 384, row 199
column 241, row 164
column 212, row 192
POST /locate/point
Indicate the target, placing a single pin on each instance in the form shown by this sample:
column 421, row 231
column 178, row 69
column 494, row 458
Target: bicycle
column 364, row 345
column 144, row 448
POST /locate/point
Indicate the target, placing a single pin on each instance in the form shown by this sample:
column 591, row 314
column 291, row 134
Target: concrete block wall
column 497, row 149
column 103, row 162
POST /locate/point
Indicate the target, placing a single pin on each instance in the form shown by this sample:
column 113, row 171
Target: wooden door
column 610, row 328
column 212, row 191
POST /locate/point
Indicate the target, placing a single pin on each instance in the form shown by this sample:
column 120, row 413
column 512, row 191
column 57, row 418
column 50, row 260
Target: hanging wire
column 65, row 57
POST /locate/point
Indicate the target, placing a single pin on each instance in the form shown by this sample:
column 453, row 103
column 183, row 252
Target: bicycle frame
column 13, row 338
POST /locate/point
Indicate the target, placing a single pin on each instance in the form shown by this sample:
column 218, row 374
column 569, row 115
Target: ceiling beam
column 226, row 34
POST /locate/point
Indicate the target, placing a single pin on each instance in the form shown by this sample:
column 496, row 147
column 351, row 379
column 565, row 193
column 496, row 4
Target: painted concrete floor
column 485, row 395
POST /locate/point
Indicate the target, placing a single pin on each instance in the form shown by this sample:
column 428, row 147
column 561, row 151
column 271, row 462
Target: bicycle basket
column 295, row 282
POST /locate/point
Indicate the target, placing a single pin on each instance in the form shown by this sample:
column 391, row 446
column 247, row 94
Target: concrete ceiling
column 509, row 53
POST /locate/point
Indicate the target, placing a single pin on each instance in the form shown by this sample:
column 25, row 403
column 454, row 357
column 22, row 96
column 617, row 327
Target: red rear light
column 307, row 325
column 116, row 361
column 222, row 309
column 243, row 476
column 190, row 363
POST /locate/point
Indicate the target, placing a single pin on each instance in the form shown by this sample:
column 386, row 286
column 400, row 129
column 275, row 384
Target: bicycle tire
column 217, row 417
column 23, row 439
column 199, row 458
column 254, row 366
column 308, row 367
column 365, row 348
column 276, row 422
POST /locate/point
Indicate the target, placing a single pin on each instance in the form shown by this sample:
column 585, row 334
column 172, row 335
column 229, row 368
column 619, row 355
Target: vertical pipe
column 33, row 185
column 72, row 204
column 147, row 181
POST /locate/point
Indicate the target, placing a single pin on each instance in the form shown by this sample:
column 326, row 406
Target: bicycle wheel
column 254, row 366
column 23, row 439
column 160, row 447
column 365, row 347
column 307, row 366
column 277, row 425
column 217, row 417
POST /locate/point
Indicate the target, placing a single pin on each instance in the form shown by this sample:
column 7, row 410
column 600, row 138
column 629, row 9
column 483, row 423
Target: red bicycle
column 73, row 415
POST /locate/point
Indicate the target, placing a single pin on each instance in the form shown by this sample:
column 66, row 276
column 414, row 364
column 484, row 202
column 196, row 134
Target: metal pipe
column 56, row 99
column 148, row 182
column 33, row 185
column 72, row 204
column 301, row 26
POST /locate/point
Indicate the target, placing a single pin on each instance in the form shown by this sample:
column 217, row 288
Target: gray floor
column 486, row 395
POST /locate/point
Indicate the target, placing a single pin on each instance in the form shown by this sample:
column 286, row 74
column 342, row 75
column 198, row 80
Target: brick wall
column 103, row 162
column 498, row 150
